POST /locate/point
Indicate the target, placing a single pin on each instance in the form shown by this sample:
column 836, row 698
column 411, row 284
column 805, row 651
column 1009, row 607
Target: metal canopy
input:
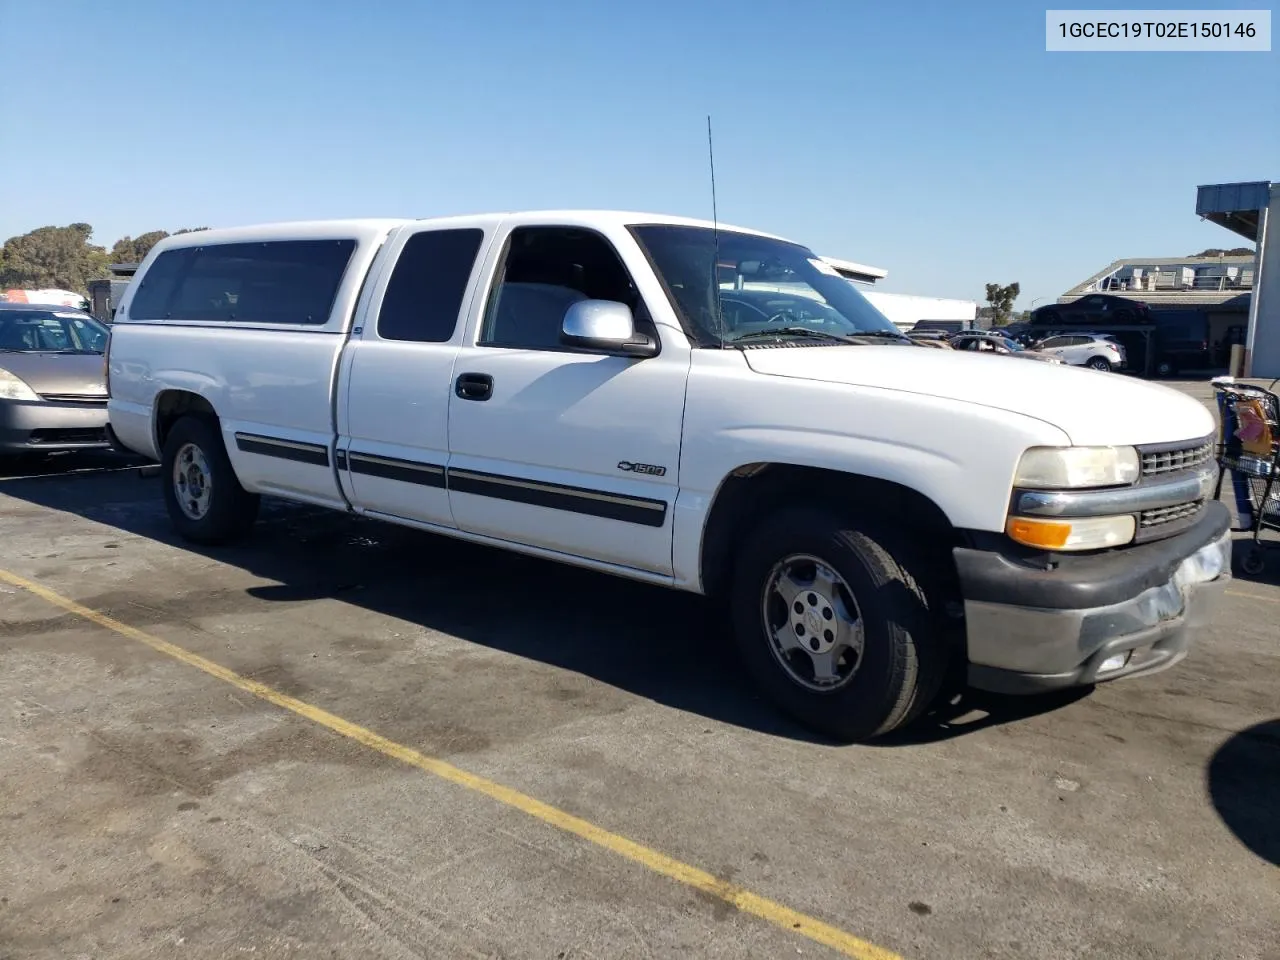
column 1236, row 206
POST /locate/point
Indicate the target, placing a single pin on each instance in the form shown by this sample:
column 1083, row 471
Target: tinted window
column 546, row 270
column 155, row 287
column 1181, row 327
column 425, row 293
column 53, row 331
column 288, row 281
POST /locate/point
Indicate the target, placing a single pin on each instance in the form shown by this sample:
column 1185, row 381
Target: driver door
column 552, row 446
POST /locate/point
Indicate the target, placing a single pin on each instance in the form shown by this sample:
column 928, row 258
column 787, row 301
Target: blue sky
column 936, row 139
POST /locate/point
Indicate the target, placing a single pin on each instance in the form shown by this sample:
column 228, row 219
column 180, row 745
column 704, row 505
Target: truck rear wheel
column 201, row 491
column 833, row 627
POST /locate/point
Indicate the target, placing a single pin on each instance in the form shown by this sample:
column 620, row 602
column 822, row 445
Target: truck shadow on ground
column 1243, row 544
column 1243, row 780
column 670, row 647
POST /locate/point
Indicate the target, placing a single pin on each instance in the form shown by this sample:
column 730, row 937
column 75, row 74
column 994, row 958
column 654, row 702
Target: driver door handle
column 474, row 386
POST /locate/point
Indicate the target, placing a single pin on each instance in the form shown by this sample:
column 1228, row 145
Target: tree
column 52, row 257
column 135, row 249
column 1219, row 252
column 1001, row 301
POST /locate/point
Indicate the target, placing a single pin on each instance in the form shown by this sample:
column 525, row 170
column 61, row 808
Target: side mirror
column 605, row 325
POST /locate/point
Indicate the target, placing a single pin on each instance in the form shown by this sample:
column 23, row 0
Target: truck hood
column 1090, row 406
column 67, row 374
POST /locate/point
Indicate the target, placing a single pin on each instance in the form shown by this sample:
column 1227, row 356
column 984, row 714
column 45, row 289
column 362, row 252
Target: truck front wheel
column 201, row 491
column 832, row 625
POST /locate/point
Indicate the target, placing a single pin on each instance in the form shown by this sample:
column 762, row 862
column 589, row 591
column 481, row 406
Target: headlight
column 1080, row 533
column 15, row 388
column 1056, row 467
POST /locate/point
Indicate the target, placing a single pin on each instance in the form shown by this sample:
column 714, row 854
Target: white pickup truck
column 707, row 408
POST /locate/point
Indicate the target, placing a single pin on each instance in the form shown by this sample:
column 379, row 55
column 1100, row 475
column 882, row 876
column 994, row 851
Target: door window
column 545, row 271
column 424, row 295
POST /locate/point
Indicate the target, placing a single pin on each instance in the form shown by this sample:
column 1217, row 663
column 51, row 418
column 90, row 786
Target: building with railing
column 1175, row 282
column 1234, row 299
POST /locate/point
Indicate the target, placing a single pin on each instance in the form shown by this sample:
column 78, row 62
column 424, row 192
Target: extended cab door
column 553, row 446
column 397, row 376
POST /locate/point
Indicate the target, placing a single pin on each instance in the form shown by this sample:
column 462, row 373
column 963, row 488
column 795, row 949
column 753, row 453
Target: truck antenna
column 715, row 232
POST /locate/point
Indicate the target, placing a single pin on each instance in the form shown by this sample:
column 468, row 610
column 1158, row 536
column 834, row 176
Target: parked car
column 931, row 338
column 1021, row 333
column 1182, row 342
column 1099, row 351
column 869, row 514
column 1092, row 310
column 988, row 342
column 753, row 307
column 53, row 393
column 947, row 327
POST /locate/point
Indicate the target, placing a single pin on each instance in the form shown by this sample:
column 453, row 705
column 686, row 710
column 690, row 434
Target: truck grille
column 1163, row 515
column 1155, row 463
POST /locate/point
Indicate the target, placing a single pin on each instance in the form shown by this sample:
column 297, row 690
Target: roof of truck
column 366, row 227
column 625, row 217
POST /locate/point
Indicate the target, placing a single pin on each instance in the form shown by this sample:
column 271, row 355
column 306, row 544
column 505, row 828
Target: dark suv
column 1181, row 342
column 1095, row 309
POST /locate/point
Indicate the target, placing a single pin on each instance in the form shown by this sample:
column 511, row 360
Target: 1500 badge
column 646, row 468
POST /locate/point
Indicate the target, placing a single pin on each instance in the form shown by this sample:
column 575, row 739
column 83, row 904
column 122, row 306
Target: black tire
column 14, row 462
column 1166, row 368
column 905, row 656
column 231, row 509
column 1099, row 363
column 1253, row 563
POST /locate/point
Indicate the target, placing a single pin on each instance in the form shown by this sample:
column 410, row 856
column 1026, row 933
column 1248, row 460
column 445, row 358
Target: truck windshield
column 762, row 288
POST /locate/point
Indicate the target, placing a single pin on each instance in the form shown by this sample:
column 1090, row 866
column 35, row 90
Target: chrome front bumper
column 1016, row 648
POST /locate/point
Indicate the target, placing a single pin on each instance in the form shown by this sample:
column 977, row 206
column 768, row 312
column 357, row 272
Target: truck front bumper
column 33, row 426
column 1092, row 618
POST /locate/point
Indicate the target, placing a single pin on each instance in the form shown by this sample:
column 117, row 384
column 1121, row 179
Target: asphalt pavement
column 343, row 739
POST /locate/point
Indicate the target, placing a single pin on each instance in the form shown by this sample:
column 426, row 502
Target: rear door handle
column 474, row 386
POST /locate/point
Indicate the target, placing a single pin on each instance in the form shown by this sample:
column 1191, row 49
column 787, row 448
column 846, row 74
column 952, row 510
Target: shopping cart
column 1249, row 447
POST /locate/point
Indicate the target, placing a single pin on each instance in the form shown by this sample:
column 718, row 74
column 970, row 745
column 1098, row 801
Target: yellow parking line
column 1252, row 596
column 744, row 900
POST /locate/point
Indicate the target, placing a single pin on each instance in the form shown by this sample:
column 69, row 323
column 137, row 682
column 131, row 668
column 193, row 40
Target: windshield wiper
column 775, row 332
column 880, row 334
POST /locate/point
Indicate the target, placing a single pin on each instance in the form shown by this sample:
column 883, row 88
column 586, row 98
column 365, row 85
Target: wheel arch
column 170, row 406
column 753, row 489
